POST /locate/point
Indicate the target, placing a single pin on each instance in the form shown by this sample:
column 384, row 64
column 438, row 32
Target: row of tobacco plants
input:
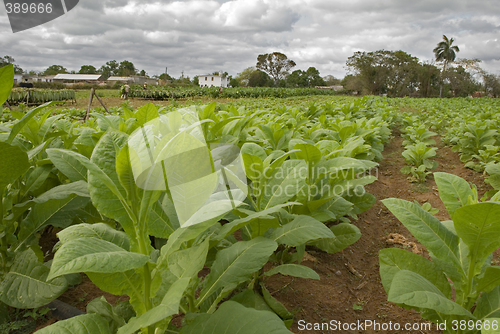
column 147, row 199
column 459, row 289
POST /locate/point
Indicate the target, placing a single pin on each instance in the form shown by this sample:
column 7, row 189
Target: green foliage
column 460, row 251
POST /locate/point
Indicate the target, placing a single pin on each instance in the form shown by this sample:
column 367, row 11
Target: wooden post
column 92, row 93
column 90, row 104
column 102, row 103
column 7, row 105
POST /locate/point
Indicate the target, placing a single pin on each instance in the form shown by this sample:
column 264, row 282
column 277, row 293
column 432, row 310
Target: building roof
column 64, row 76
column 114, row 78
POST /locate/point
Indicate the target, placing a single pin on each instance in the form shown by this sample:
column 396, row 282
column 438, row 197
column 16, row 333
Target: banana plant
column 461, row 253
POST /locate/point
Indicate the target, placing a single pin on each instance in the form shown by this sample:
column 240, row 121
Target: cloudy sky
column 199, row 37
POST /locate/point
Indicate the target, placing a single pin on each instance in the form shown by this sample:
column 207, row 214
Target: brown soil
column 350, row 289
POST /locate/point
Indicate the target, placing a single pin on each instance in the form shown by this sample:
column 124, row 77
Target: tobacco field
column 249, row 215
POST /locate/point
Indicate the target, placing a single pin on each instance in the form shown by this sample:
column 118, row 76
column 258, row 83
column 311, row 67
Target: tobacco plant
column 459, row 289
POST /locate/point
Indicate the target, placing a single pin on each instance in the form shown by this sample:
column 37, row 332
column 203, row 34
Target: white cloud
column 198, row 36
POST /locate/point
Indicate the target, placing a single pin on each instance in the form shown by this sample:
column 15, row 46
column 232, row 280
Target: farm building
column 78, row 78
column 135, row 79
column 213, row 80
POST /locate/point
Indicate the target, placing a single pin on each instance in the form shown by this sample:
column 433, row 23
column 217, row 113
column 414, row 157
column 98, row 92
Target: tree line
column 382, row 72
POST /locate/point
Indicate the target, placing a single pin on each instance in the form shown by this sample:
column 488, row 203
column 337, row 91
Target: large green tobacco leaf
column 26, row 285
column 128, row 283
column 82, row 324
column 146, row 113
column 301, row 230
column 413, row 290
column 431, row 233
column 308, row 152
column 159, row 224
column 453, row 191
column 295, row 270
column 488, row 305
column 13, row 164
column 285, row 183
column 393, row 260
column 236, row 224
column 188, row 262
column 490, row 280
column 99, row 230
column 478, row 225
column 236, row 264
column 25, row 120
column 232, row 317
column 345, row 234
column 168, row 307
column 94, row 255
column 57, row 207
column 105, row 189
column 68, row 165
column 6, row 82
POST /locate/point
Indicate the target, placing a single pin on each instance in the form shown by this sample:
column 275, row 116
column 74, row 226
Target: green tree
column 492, row 84
column 428, row 80
column 445, row 52
column 6, row 60
column 244, row 77
column 109, row 69
column 87, row 69
column 330, row 80
column 275, row 64
column 143, row 73
column 55, row 69
column 259, row 79
column 313, row 78
column 126, row 68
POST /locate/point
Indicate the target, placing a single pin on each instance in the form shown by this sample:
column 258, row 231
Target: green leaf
column 308, row 152
column 13, row 164
column 25, row 120
column 82, row 324
column 493, row 325
column 413, row 290
column 146, row 113
column 301, row 230
column 236, row 264
column 68, row 165
column 26, row 284
column 345, row 234
column 295, row 270
column 479, row 227
column 57, row 207
column 284, row 184
column 236, row 224
column 159, row 224
column 250, row 299
column 253, row 167
column 453, row 191
column 101, row 307
column 255, row 150
column 128, row 283
column 393, row 260
column 490, row 280
column 232, row 317
column 94, row 255
column 168, row 307
column 431, row 233
column 488, row 305
column 275, row 305
column 6, row 82
column 99, row 231
column 188, row 262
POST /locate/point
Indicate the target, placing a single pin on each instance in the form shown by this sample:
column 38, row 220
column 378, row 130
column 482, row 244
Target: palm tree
column 446, row 53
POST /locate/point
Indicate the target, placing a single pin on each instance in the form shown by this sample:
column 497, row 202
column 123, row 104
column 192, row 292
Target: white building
column 213, row 80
